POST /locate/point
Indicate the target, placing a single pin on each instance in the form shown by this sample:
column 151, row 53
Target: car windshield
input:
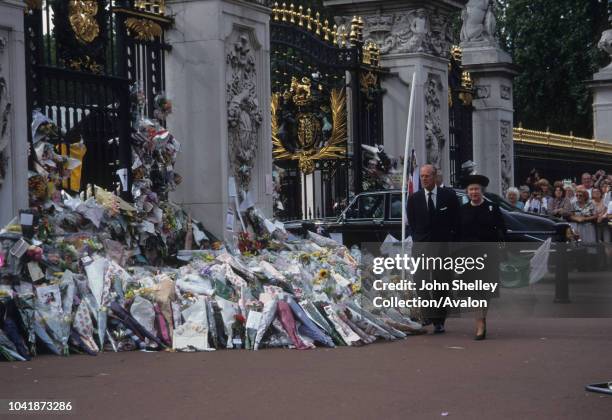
column 395, row 212
column 371, row 206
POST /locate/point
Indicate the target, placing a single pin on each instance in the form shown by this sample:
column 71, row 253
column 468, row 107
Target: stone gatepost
column 13, row 112
column 414, row 37
column 218, row 76
column 492, row 73
column 602, row 94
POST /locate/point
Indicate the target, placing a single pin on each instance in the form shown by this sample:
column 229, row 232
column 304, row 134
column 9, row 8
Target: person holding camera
column 537, row 203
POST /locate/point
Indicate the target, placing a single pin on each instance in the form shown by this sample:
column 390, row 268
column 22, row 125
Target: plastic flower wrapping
column 297, row 294
column 95, row 273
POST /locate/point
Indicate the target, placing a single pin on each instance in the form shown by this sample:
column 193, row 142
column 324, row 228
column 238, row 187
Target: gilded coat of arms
column 83, row 19
column 309, row 124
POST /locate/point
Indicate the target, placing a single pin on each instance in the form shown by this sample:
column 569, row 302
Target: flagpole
column 407, row 158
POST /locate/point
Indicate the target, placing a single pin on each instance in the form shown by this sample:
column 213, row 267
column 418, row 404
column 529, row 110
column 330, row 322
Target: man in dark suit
column 433, row 216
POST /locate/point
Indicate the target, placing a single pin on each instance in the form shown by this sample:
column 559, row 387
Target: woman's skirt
column 586, row 231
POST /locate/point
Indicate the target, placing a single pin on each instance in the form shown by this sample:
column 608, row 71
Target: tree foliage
column 554, row 43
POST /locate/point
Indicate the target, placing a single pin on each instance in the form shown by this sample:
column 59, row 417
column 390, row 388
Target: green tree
column 554, row 43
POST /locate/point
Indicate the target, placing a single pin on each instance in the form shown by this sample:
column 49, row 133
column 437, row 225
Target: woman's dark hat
column 475, row 179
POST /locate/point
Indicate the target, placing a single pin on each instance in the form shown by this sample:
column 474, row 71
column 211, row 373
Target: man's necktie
column 431, row 208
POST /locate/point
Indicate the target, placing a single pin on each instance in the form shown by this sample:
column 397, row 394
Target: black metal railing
column 307, row 45
column 460, row 117
column 80, row 65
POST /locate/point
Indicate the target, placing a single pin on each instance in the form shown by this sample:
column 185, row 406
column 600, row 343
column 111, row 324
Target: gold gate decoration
column 83, row 19
column 305, row 111
column 143, row 29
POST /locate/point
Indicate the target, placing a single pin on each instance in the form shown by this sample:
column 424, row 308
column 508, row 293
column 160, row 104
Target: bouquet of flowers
column 163, row 106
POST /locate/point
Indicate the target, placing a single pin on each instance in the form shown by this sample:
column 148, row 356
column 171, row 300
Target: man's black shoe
column 439, row 329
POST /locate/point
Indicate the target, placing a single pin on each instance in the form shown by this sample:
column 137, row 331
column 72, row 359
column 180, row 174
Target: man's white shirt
column 434, row 196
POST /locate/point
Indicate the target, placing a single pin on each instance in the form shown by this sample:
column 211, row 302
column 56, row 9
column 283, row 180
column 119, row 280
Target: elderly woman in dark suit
column 481, row 221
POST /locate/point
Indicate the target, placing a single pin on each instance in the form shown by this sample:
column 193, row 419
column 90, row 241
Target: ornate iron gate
column 325, row 105
column 82, row 57
column 460, row 97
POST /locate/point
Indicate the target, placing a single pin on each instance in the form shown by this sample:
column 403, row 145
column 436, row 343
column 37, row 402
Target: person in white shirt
column 587, row 183
column 536, row 204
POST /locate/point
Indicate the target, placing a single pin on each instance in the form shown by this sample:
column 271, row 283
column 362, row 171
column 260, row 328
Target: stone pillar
column 602, row 94
column 218, row 76
column 414, row 37
column 13, row 129
column 492, row 73
column 431, row 114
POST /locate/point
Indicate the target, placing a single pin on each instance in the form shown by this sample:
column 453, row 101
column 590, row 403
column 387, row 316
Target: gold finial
column 275, row 11
column 157, row 7
column 466, row 94
column 335, row 34
column 284, row 12
column 367, row 54
column 355, row 35
column 466, row 80
column 318, row 24
column 360, row 26
column 326, row 30
column 456, row 53
column 309, row 19
column 375, row 55
column 343, row 40
column 292, row 12
column 301, row 16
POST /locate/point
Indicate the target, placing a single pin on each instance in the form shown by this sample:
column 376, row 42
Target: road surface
column 527, row 368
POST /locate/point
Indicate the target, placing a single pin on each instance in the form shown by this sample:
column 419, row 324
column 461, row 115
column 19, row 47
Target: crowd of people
column 587, row 206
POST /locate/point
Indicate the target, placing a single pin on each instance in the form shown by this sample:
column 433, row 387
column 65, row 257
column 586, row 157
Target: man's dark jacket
column 443, row 226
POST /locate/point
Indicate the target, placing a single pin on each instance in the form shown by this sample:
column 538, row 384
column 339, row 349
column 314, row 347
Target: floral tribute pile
column 92, row 273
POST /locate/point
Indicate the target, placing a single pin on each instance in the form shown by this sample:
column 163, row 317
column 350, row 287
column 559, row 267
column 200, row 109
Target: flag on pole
column 415, row 312
column 407, row 148
column 413, row 171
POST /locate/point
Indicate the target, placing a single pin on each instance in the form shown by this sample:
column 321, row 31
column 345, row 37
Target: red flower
column 240, row 318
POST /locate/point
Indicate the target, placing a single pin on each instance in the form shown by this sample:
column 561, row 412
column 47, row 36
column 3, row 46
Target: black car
column 371, row 216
